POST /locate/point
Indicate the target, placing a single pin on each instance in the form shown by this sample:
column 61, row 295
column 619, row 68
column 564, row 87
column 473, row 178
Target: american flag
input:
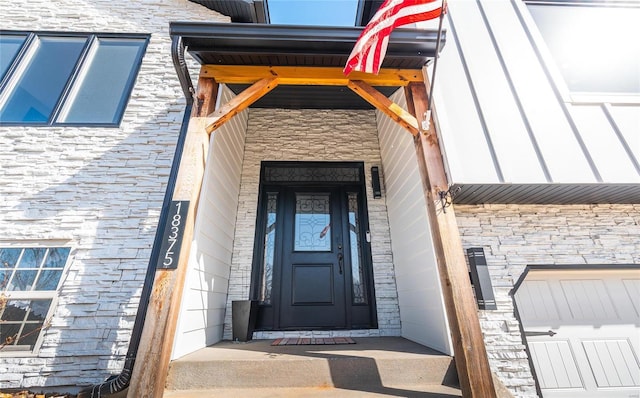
column 371, row 47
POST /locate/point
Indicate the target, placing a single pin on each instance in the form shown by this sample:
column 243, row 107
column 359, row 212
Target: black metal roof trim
column 264, row 44
column 245, row 11
column 547, row 193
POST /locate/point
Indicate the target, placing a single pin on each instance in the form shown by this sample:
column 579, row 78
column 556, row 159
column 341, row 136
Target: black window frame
column 91, row 37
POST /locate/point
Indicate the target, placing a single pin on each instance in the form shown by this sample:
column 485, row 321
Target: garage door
column 583, row 331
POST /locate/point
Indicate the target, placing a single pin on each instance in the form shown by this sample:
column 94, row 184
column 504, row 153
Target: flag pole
column 426, row 124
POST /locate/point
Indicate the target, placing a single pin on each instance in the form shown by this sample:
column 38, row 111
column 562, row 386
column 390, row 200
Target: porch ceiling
column 244, row 44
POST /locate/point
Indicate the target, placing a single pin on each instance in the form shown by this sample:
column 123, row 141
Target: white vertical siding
column 504, row 114
column 422, row 312
column 627, row 120
column 205, row 293
column 608, row 151
column 504, row 124
column 471, row 145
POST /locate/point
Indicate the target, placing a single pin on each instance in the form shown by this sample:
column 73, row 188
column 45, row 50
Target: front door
column 312, row 290
column 312, row 264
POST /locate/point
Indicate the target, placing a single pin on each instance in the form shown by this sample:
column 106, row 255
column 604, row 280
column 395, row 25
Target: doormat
column 313, row 341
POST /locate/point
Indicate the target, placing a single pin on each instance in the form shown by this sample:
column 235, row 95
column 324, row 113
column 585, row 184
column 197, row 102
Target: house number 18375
column 172, row 236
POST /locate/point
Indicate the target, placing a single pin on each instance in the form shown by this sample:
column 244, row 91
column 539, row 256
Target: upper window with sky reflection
column 313, row 12
column 594, row 44
column 58, row 79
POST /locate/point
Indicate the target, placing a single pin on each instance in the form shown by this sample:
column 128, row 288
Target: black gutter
column 119, row 383
column 273, row 45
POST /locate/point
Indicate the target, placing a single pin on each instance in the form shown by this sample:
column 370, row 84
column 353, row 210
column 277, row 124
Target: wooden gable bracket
column 266, row 78
column 241, row 102
column 385, row 105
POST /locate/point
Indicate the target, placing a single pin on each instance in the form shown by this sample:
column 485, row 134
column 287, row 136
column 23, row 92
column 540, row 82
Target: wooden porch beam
column 317, row 76
column 384, row 104
column 468, row 345
column 241, row 102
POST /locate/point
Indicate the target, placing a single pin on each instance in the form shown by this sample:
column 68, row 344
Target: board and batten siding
column 201, row 319
column 422, row 311
column 505, row 115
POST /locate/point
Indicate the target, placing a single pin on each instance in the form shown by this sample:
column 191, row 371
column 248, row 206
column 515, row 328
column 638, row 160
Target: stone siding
column 97, row 190
column 514, row 236
column 308, row 135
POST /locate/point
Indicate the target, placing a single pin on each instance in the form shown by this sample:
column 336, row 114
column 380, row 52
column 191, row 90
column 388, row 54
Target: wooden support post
column 468, row 345
column 154, row 353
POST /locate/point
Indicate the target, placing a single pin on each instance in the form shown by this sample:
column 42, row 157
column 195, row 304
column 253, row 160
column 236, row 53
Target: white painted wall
column 504, row 116
column 98, row 190
column 201, row 318
column 422, row 311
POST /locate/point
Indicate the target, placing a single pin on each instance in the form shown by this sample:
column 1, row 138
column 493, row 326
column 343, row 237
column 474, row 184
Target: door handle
column 536, row 333
column 340, row 257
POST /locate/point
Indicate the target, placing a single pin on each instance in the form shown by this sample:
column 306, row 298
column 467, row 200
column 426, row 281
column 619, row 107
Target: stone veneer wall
column 97, row 190
column 514, row 236
column 313, row 135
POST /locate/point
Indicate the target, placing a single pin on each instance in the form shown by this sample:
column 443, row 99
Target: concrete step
column 374, row 365
column 431, row 391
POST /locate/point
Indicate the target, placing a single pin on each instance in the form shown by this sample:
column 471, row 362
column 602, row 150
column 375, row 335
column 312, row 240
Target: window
column 67, row 79
column 313, row 12
column 594, row 44
column 29, row 279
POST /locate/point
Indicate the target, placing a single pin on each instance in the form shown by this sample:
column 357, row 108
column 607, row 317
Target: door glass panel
column 311, row 174
column 269, row 249
column 357, row 272
column 312, row 222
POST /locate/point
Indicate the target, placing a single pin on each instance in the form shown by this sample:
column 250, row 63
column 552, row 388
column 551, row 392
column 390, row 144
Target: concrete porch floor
column 373, row 367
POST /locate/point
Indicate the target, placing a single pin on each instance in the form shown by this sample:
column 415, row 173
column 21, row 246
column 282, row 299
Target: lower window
column 29, row 279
